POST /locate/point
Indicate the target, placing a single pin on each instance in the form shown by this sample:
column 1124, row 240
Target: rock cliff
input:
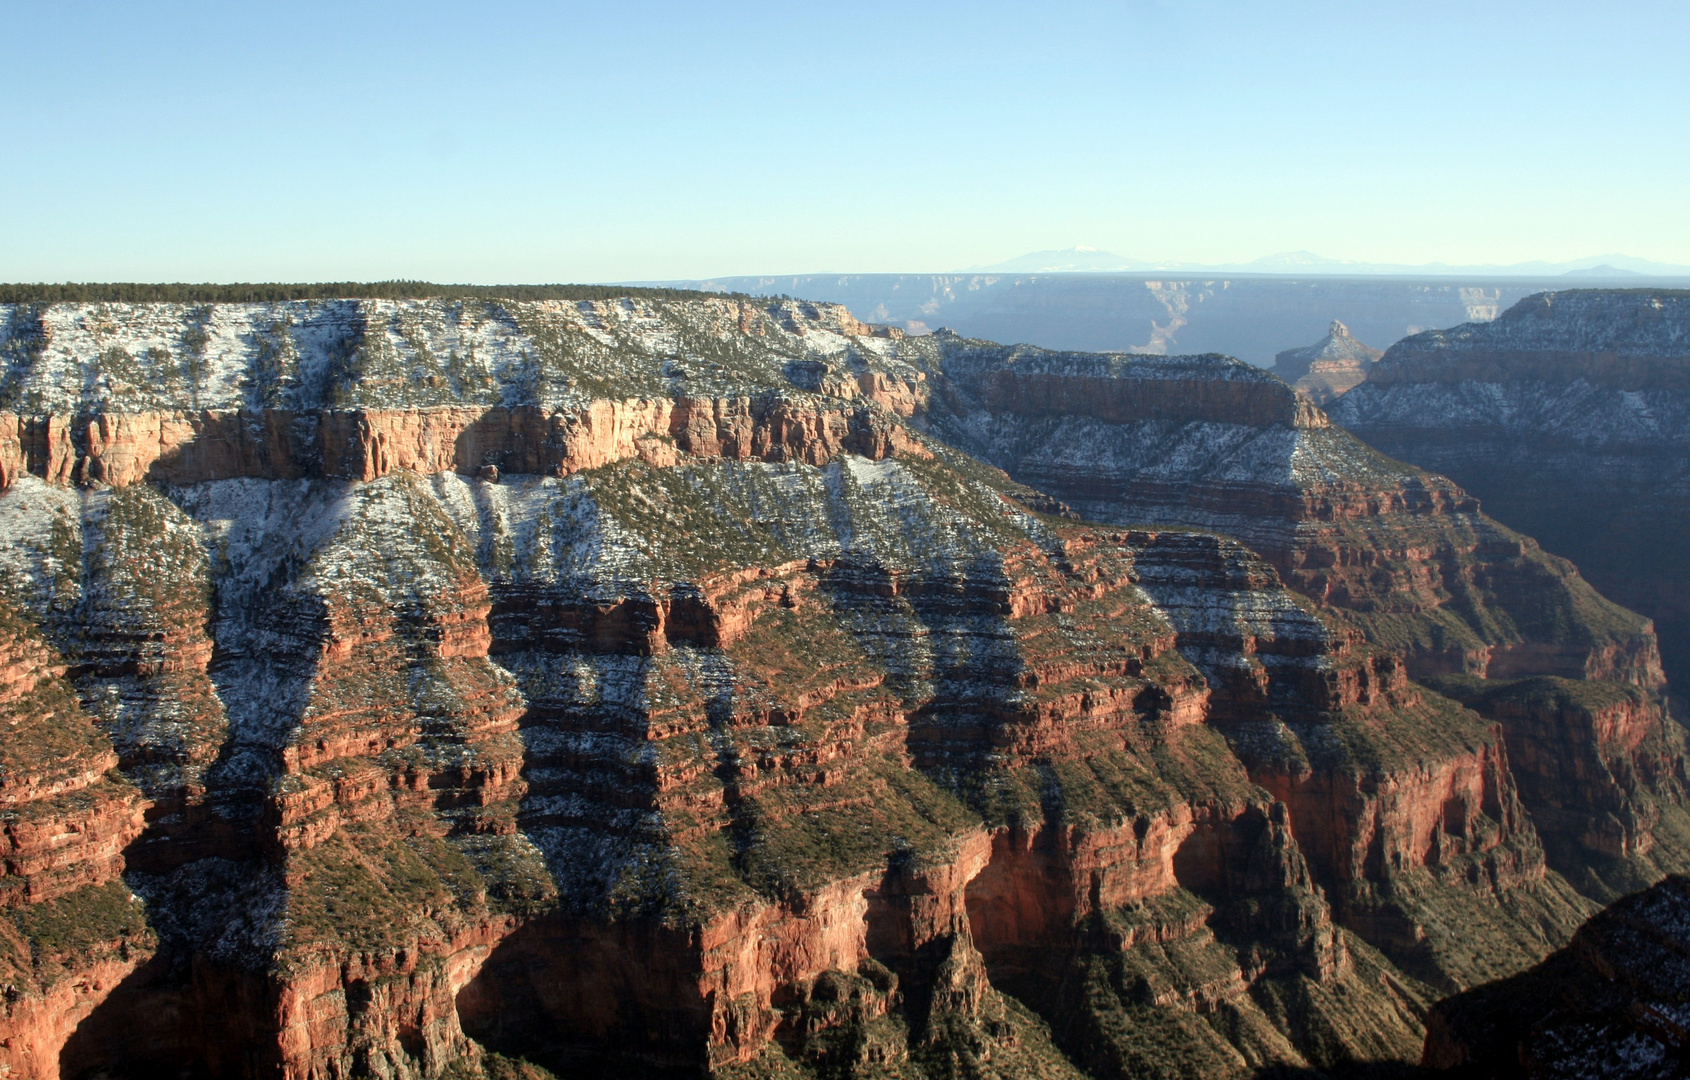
column 1331, row 367
column 1569, row 416
column 71, row 930
column 660, row 687
column 1212, row 443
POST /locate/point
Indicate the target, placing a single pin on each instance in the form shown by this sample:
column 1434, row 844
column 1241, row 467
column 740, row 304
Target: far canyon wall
column 1569, row 418
column 1252, row 317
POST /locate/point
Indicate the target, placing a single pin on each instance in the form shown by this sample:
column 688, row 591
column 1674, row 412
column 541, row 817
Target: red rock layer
column 806, row 730
column 722, row 992
column 1042, row 888
column 1597, row 762
column 779, row 774
column 1416, row 558
column 797, row 747
column 1407, row 552
column 1329, row 368
column 70, row 931
column 120, row 449
column 407, row 739
column 67, row 819
column 1384, row 783
column 39, row 445
column 1096, row 688
column 12, row 462
column 143, row 647
column 1089, row 747
column 1356, row 825
column 409, row 732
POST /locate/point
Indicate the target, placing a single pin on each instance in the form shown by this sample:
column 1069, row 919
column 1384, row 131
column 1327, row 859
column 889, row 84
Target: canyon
column 1610, row 1003
column 715, row 686
column 1253, row 316
column 1569, row 418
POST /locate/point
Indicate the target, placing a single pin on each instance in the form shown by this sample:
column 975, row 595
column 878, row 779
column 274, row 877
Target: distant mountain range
column 1089, row 260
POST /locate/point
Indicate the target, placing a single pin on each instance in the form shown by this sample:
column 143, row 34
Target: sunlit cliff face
column 703, row 686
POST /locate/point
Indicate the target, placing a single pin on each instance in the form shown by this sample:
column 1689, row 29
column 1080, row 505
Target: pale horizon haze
column 505, row 142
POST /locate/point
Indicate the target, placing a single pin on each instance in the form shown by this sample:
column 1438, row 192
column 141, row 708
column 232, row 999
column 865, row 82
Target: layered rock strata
column 70, row 931
column 1407, row 808
column 1601, row 767
column 1568, row 417
column 1330, row 368
column 362, row 444
column 1212, row 443
column 653, row 688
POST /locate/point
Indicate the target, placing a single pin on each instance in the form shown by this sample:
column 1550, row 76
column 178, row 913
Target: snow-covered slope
column 1569, row 416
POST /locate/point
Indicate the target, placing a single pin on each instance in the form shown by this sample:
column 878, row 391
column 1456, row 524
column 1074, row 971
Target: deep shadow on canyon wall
column 1566, row 417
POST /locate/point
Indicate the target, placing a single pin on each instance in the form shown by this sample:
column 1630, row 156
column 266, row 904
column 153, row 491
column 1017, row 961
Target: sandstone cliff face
column 71, row 930
column 121, row 449
column 1405, row 804
column 1211, row 443
column 651, row 688
column 1567, row 416
column 1601, row 767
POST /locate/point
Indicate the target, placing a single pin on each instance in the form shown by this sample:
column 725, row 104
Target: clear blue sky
column 616, row 141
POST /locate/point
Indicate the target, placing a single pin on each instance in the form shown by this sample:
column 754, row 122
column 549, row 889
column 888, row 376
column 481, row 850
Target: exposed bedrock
column 714, row 783
column 120, row 449
column 1600, row 766
column 214, row 1019
column 1048, row 890
column 1329, row 368
column 1621, row 338
column 1402, row 801
column 356, row 728
column 1426, row 850
column 716, row 717
column 1220, row 445
column 1195, row 940
column 1568, row 417
column 580, row 993
column 70, row 931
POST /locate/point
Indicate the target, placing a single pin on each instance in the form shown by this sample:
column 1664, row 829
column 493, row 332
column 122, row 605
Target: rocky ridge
column 655, row 686
column 1330, row 367
column 1212, row 443
column 1570, row 417
column 72, row 931
column 1608, row 1004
